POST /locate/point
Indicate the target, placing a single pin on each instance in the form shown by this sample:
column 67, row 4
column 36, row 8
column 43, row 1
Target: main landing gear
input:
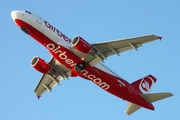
column 80, row 66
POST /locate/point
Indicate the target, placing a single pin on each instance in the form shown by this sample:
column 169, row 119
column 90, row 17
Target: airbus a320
column 76, row 57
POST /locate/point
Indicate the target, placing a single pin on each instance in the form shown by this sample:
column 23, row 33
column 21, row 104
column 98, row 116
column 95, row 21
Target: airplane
column 76, row 57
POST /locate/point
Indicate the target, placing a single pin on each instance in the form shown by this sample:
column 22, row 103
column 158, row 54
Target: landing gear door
column 39, row 20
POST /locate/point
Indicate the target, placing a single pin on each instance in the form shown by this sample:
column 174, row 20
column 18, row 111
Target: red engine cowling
column 40, row 65
column 80, row 44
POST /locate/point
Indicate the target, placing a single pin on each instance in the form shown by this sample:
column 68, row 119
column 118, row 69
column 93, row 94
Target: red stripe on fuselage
column 120, row 88
column 112, row 84
column 62, row 54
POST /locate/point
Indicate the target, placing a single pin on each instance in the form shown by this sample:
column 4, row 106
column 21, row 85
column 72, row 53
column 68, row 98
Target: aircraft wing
column 118, row 46
column 48, row 81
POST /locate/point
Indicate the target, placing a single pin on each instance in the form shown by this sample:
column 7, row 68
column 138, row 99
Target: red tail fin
column 144, row 85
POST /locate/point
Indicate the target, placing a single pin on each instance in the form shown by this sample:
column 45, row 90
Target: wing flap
column 120, row 50
column 46, row 83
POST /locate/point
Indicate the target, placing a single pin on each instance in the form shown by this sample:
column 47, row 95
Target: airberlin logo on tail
column 146, row 84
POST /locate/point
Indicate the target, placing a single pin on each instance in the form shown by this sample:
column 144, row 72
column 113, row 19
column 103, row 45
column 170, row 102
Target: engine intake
column 80, row 44
column 40, row 65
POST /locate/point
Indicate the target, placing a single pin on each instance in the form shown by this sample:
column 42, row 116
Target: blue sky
column 95, row 21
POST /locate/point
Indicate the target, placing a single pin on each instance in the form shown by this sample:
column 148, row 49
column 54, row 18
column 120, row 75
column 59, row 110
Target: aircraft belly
column 105, row 81
column 114, row 85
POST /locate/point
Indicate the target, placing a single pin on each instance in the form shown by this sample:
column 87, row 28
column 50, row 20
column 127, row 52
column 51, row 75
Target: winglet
column 38, row 97
column 160, row 38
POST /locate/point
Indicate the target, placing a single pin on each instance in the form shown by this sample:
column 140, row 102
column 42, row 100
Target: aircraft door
column 39, row 19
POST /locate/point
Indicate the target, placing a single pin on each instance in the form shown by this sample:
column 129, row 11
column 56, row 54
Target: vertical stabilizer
column 144, row 85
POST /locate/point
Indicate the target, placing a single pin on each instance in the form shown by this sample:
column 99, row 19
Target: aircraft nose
column 16, row 14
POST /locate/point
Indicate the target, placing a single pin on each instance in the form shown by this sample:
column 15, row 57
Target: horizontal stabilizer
column 153, row 97
column 149, row 97
column 131, row 108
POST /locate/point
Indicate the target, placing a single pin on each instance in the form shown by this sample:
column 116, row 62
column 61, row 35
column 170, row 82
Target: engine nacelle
column 80, row 44
column 40, row 65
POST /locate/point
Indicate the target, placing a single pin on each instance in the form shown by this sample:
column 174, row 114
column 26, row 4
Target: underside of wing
column 46, row 83
column 118, row 46
column 101, row 51
column 49, row 80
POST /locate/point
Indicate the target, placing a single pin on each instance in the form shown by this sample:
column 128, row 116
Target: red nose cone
column 19, row 22
column 17, row 16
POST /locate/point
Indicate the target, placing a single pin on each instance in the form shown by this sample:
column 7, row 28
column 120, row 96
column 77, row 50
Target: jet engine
column 81, row 45
column 40, row 65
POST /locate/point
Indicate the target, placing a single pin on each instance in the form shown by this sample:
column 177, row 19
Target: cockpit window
column 28, row 12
